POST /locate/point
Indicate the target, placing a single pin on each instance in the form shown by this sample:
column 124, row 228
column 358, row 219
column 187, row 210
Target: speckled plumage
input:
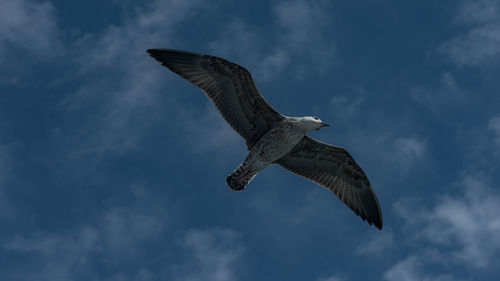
column 277, row 142
column 270, row 136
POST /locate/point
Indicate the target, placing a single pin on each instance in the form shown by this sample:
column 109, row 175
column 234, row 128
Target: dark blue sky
column 113, row 168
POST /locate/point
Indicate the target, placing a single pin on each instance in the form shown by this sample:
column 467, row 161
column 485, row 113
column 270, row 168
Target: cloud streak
column 29, row 25
column 295, row 37
column 458, row 230
column 478, row 46
column 141, row 241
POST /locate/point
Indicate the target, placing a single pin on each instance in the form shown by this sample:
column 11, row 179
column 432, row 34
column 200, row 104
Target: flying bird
column 270, row 136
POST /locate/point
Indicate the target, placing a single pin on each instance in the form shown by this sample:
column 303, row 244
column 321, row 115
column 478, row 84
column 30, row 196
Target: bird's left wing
column 229, row 86
column 334, row 168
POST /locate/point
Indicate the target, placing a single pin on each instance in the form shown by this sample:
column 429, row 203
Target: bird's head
column 312, row 123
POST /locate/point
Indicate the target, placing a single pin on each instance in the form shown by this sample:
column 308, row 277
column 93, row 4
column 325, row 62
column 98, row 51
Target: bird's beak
column 324, row 124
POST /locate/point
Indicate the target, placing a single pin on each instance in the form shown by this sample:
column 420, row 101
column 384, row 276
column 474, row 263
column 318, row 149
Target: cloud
column 407, row 151
column 120, row 84
column 477, row 11
column 131, row 86
column 138, row 240
column 411, row 269
column 303, row 22
column 294, row 38
column 77, row 255
column 348, row 106
column 479, row 45
column 215, row 253
column 57, row 257
column 464, row 229
column 494, row 127
column 446, row 94
column 379, row 243
column 29, row 25
column 208, row 131
column 6, row 168
column 331, row 278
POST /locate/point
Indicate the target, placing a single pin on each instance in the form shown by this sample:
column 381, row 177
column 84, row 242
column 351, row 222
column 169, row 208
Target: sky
column 113, row 168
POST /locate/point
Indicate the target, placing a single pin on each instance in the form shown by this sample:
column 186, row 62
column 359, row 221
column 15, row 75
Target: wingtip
column 378, row 223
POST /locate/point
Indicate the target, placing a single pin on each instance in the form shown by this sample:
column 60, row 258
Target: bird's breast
column 276, row 143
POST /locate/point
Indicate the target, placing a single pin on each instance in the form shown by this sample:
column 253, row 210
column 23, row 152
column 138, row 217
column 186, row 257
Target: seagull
column 271, row 137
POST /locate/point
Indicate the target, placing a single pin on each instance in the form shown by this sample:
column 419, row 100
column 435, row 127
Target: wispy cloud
column 347, row 105
column 478, row 46
column 303, row 22
column 447, row 93
column 124, row 80
column 6, row 168
column 411, row 269
column 28, row 34
column 215, row 254
column 478, row 11
column 480, row 144
column 29, row 25
column 407, row 150
column 494, row 127
column 208, row 130
column 295, row 37
column 331, row 278
column 125, row 243
column 57, row 257
column 461, row 229
column 378, row 244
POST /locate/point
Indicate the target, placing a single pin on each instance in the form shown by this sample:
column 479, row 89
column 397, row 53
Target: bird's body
column 270, row 136
column 277, row 142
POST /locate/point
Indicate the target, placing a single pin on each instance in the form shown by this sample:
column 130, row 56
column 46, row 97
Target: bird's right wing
column 334, row 168
column 229, row 86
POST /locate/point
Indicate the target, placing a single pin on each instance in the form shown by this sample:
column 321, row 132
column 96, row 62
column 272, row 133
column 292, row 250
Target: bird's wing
column 334, row 168
column 229, row 86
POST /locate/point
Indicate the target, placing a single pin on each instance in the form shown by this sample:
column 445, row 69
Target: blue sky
column 113, row 168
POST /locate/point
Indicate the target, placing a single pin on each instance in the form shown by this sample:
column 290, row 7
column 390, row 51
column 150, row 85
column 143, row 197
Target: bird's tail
column 241, row 177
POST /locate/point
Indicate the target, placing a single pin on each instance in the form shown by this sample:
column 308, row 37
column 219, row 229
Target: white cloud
column 331, row 278
column 411, row 269
column 206, row 255
column 124, row 229
column 347, row 106
column 477, row 47
column 442, row 96
column 464, row 229
column 407, row 150
column 245, row 45
column 208, row 131
column 125, row 243
column 477, row 11
column 480, row 45
column 29, row 25
column 60, row 257
column 378, row 244
column 494, row 127
column 6, row 168
column 303, row 23
column 123, row 83
column 300, row 18
column 215, row 254
column 295, row 38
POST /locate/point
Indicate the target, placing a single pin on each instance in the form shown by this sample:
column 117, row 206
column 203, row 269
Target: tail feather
column 240, row 177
